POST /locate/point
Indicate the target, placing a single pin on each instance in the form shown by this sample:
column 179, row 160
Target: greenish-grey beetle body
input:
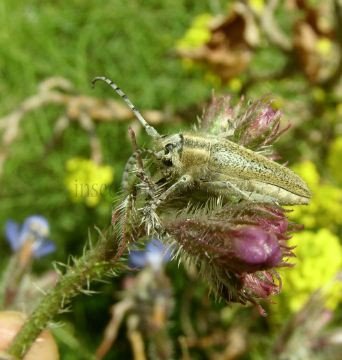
column 217, row 166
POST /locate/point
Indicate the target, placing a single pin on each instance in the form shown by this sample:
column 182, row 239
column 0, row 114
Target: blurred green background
column 136, row 43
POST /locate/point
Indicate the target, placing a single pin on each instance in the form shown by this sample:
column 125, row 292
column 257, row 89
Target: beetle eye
column 167, row 162
column 169, row 147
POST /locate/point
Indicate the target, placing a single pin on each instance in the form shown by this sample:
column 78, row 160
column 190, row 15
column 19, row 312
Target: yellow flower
column 86, row 181
column 319, row 259
column 324, row 46
column 257, row 5
column 334, row 159
column 235, row 84
column 325, row 207
column 307, row 170
column 198, row 33
column 319, row 94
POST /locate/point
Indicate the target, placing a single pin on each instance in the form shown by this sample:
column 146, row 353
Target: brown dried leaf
column 308, row 33
column 229, row 49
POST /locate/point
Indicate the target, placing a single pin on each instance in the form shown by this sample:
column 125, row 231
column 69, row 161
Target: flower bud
column 253, row 125
column 237, row 246
column 256, row 247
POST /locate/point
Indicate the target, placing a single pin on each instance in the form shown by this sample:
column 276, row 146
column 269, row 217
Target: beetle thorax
column 183, row 154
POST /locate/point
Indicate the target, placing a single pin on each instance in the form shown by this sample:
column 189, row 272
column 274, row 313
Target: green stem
column 95, row 264
column 18, row 266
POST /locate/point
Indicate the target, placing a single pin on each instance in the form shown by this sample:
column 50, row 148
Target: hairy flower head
column 255, row 125
column 237, row 246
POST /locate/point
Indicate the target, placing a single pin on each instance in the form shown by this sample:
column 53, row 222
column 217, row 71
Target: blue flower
column 155, row 255
column 34, row 230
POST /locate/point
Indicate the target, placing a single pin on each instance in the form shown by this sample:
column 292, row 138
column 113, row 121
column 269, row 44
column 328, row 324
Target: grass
column 130, row 42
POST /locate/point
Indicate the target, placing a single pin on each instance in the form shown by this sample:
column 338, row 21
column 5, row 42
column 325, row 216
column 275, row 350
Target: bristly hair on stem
column 97, row 262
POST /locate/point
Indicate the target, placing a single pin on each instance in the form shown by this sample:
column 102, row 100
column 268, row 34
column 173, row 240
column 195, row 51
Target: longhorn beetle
column 218, row 166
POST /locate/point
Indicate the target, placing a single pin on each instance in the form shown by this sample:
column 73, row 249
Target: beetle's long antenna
column 149, row 129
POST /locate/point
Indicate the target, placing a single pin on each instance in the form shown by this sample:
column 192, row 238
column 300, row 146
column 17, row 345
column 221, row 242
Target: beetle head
column 169, row 150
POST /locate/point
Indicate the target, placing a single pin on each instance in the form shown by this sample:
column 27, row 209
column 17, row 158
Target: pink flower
column 252, row 125
column 238, row 246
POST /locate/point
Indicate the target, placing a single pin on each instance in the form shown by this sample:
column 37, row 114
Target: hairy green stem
column 96, row 263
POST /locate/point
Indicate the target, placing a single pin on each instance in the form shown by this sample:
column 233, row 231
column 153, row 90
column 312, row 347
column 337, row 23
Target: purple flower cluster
column 254, row 126
column 239, row 247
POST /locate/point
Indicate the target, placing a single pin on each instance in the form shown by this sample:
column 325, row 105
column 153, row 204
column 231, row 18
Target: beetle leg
column 223, row 186
column 182, row 183
column 130, row 168
column 134, row 166
column 243, row 189
column 150, row 216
